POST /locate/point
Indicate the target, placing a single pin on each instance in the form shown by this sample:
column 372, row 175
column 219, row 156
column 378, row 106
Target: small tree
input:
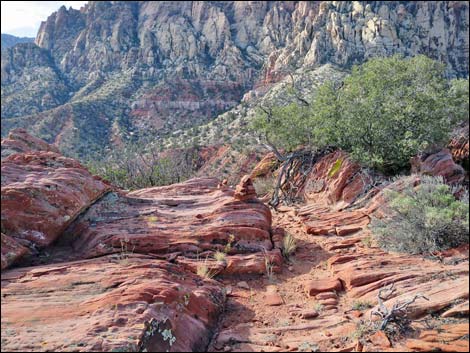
column 385, row 112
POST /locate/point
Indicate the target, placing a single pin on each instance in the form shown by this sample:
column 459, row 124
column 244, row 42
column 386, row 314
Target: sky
column 23, row 18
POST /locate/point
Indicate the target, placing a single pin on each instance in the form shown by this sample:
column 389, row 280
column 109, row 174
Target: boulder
column 42, row 193
column 20, row 141
column 439, row 164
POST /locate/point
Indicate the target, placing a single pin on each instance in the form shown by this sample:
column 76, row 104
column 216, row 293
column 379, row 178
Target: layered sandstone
column 108, row 304
column 117, row 270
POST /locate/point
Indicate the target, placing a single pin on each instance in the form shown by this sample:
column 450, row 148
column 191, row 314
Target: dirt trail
column 276, row 314
column 252, row 324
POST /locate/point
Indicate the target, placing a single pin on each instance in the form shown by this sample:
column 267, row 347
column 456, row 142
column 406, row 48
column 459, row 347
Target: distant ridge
column 9, row 40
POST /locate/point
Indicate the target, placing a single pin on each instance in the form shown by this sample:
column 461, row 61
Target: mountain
column 113, row 72
column 8, row 40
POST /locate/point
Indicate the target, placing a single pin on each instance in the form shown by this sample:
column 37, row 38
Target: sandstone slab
column 312, row 288
column 108, row 304
column 42, row 193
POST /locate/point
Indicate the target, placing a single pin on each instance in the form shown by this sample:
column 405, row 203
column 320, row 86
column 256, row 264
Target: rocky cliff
column 117, row 71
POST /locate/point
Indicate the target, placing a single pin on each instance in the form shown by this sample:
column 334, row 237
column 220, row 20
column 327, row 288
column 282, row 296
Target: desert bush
column 130, row 168
column 423, row 219
column 386, row 111
column 361, row 305
column 264, row 185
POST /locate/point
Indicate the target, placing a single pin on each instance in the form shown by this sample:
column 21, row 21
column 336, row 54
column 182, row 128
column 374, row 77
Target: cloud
column 22, row 18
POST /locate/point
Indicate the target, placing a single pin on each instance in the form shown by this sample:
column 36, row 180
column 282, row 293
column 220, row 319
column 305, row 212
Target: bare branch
column 398, row 312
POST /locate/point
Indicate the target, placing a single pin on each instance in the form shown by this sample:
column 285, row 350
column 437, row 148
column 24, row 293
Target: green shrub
column 385, row 112
column 423, row 219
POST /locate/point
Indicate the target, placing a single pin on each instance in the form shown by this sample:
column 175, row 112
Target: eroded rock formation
column 119, row 269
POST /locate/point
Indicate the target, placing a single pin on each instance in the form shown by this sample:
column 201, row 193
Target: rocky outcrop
column 19, row 141
column 46, row 196
column 109, row 304
column 186, row 222
column 164, row 66
column 344, row 33
column 42, row 193
column 336, row 180
column 439, row 164
column 121, row 270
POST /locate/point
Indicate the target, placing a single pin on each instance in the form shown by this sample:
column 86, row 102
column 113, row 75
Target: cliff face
column 152, row 68
column 350, row 32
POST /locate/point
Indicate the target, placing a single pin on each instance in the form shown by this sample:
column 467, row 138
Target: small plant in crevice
column 152, row 219
column 203, row 270
column 125, row 251
column 289, row 245
column 220, row 256
column 318, row 307
column 367, row 241
column 363, row 329
column 269, row 266
column 361, row 305
column 228, row 246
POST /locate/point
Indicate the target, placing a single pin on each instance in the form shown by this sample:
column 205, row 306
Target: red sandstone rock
column 19, row 141
column 439, row 164
column 265, row 166
column 380, row 339
column 458, row 310
column 191, row 218
column 314, row 287
column 245, row 190
column 108, row 304
column 339, row 223
column 326, row 295
column 273, row 299
column 449, row 338
column 311, row 314
column 336, row 178
column 253, row 263
column 328, row 302
column 42, row 193
column 11, row 251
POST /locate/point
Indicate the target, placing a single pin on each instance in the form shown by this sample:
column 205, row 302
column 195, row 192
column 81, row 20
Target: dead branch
column 398, row 313
column 293, row 174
